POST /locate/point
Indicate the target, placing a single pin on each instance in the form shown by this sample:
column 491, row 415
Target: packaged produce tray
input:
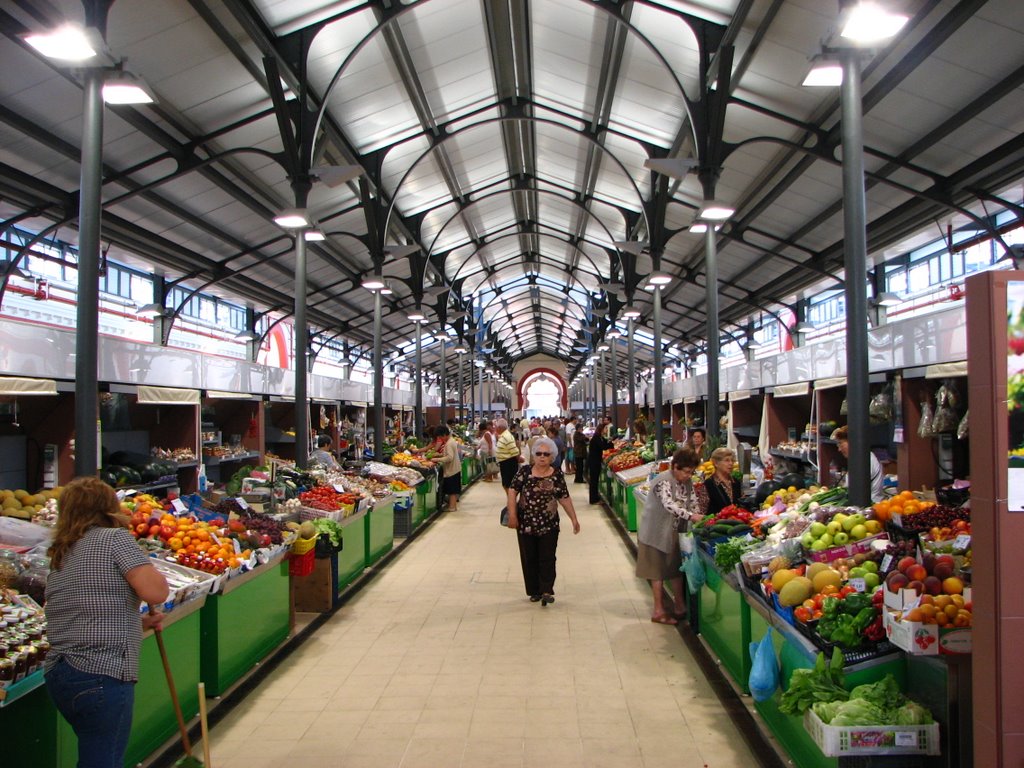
column 856, row 740
column 186, row 584
column 866, row 651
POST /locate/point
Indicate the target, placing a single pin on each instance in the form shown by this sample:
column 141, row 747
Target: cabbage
column 912, row 713
column 859, row 712
column 885, row 694
column 826, row 710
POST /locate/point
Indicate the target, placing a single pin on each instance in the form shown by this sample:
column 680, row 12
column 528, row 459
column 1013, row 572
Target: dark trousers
column 595, row 479
column 508, row 469
column 581, row 468
column 537, row 555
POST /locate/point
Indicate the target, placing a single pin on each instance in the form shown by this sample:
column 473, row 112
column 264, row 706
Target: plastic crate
column 855, row 740
column 302, row 546
column 302, row 565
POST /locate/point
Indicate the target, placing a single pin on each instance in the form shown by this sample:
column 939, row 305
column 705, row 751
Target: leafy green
column 826, row 710
column 912, row 713
column 860, row 712
column 880, row 703
column 821, row 683
column 885, row 693
column 331, row 528
column 729, row 552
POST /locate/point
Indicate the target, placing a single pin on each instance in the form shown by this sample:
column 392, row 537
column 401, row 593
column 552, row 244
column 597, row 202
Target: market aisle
column 442, row 661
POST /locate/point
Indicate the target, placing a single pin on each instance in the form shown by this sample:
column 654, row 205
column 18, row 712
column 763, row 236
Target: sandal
column 663, row 618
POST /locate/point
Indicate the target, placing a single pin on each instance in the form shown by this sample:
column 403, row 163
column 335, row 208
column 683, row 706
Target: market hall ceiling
column 503, row 144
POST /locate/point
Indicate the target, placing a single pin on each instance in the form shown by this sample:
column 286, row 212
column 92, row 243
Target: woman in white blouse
column 671, row 505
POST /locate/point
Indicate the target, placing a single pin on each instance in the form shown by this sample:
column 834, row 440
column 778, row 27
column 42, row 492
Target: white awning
column 835, row 381
column 739, row 394
column 689, row 400
column 216, row 394
column 168, row 396
column 12, row 385
column 791, row 390
column 946, row 370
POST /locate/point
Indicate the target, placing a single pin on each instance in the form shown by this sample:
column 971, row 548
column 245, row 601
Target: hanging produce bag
column 764, row 668
column 693, row 569
column 945, row 419
column 961, row 430
column 924, row 428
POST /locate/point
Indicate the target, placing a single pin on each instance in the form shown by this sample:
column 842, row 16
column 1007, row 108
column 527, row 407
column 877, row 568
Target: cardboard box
column 921, row 639
column 846, row 550
column 316, row 592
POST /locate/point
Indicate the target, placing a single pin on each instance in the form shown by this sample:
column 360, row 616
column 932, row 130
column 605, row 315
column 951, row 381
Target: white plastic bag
column 22, row 533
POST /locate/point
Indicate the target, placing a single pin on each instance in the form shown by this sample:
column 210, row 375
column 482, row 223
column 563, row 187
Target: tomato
column 802, row 613
column 154, row 530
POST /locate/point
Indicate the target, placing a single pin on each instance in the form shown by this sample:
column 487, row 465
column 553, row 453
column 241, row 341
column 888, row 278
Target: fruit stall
column 878, row 597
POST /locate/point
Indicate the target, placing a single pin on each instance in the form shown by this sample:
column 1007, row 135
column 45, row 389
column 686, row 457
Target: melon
column 814, row 569
column 781, row 578
column 796, row 591
column 826, row 577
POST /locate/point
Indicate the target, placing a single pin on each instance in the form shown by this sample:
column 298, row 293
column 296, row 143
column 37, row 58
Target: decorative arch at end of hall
column 536, row 373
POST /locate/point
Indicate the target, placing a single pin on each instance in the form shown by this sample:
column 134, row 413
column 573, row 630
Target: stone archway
column 542, row 375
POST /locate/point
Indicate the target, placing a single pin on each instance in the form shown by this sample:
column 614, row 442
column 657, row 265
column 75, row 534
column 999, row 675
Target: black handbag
column 503, row 517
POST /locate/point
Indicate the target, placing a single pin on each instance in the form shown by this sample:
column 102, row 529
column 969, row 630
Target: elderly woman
column 451, row 467
column 533, row 500
column 722, row 488
column 671, row 505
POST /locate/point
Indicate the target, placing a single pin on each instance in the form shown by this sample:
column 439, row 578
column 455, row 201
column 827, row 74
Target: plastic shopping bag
column 764, row 668
column 693, row 569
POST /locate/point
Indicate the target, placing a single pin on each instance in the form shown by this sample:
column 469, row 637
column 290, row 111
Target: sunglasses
column 540, row 453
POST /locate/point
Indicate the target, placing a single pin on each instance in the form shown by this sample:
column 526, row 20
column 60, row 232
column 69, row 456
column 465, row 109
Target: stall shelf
column 380, row 529
column 243, row 622
column 625, row 501
column 352, row 558
column 32, row 726
column 724, row 620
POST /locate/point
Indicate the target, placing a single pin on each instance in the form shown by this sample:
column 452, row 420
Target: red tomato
column 154, row 530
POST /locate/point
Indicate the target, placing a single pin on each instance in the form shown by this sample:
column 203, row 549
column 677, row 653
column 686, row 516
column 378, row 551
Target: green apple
column 871, row 580
column 873, row 526
column 858, row 532
column 870, row 566
column 849, row 522
column 857, row 573
column 807, row 539
column 826, row 539
column 834, row 527
column 817, row 529
column 819, row 545
column 839, row 517
column 840, row 538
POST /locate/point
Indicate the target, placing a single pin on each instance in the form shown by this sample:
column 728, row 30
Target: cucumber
column 739, row 530
column 721, row 530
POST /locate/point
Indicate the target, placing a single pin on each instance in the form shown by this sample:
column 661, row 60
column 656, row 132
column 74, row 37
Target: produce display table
column 32, row 726
column 724, row 620
column 244, row 622
column 352, row 557
column 380, row 529
column 606, row 484
column 625, row 500
column 795, row 651
column 426, row 498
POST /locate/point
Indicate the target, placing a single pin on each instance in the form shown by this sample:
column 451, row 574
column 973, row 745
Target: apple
column 871, row 580
column 817, row 529
column 819, row 545
column 873, row 526
column 857, row 573
column 834, row 527
column 840, row 538
column 827, row 539
column 870, row 566
column 807, row 539
column 858, row 532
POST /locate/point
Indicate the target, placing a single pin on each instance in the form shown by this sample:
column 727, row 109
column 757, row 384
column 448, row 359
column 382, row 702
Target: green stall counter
column 724, row 620
column 380, row 529
column 32, row 727
column 242, row 623
column 795, row 651
column 426, row 498
column 352, row 557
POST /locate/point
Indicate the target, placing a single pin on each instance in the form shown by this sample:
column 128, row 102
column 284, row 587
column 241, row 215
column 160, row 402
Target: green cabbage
column 859, row 712
column 885, row 694
column 912, row 713
column 826, row 710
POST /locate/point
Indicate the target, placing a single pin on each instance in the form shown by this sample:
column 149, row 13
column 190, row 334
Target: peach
column 933, row 585
column 916, row 572
column 896, row 581
column 905, row 563
column 953, row 586
column 942, row 570
column 917, row 586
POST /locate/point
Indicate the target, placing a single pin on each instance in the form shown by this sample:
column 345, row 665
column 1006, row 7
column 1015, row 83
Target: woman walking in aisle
column 486, row 451
column 671, row 505
column 533, row 501
column 579, row 448
column 98, row 576
column 451, row 467
column 508, row 453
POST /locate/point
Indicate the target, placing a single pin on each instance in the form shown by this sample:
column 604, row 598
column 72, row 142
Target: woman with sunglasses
column 533, row 500
column 671, row 505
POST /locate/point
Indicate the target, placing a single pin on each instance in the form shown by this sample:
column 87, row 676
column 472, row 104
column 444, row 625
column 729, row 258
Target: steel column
column 615, row 394
column 87, row 444
column 659, row 431
column 711, row 267
column 419, row 380
column 378, row 380
column 631, row 362
column 300, row 350
column 855, row 251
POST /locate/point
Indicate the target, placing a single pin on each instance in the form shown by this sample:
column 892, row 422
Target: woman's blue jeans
column 99, row 710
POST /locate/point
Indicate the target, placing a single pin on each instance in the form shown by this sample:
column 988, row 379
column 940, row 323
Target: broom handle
column 203, row 725
column 174, row 694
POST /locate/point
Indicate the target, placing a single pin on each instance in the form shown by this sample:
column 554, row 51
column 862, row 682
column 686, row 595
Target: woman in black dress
column 722, row 488
column 579, row 447
column 595, row 453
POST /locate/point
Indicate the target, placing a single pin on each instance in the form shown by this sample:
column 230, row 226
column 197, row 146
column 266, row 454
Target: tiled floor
column 442, row 661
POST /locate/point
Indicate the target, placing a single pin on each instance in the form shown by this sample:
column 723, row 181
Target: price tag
column 237, row 546
column 906, row 739
column 962, row 542
column 241, row 502
column 340, row 488
column 897, row 435
column 214, row 538
column 886, row 564
column 179, row 506
column 120, row 495
column 857, row 584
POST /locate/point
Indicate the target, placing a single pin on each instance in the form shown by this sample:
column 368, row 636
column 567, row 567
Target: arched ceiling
column 505, row 142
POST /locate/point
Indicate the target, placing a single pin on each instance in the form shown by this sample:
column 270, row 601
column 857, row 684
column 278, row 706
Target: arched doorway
column 542, row 392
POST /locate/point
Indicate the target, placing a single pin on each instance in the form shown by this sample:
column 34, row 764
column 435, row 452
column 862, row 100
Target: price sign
column 897, row 435
column 241, row 503
column 906, row 739
column 857, row 584
column 179, row 506
column 886, row 564
column 339, row 488
column 962, row 542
